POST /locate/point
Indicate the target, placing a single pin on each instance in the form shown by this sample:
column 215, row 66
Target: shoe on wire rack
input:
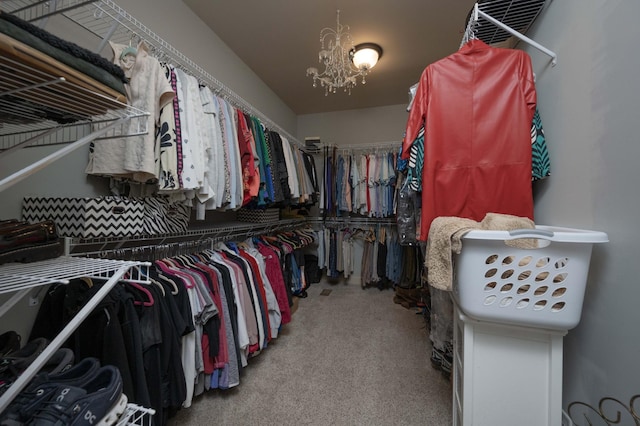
column 13, row 365
column 43, row 385
column 30, row 242
column 9, row 342
column 8, row 224
column 99, row 402
column 60, row 361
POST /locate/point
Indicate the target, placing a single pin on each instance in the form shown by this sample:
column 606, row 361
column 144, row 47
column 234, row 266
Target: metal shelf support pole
column 42, row 163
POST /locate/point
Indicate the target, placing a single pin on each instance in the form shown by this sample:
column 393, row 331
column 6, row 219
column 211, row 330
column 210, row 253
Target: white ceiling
column 280, row 39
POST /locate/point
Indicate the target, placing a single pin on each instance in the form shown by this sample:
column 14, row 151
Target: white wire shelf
column 19, row 276
column 496, row 21
column 517, row 14
column 33, row 102
column 136, row 415
column 30, row 10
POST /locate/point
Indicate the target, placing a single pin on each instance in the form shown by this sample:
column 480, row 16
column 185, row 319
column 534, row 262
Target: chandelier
column 343, row 62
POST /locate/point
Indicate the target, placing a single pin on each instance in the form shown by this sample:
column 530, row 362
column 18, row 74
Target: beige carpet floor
column 352, row 357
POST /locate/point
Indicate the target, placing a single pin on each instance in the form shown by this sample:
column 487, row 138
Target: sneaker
column 13, row 365
column 99, row 402
column 40, row 389
column 60, row 361
column 9, row 342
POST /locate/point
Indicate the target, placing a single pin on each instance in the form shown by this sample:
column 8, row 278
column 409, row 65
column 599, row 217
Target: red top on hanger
column 477, row 105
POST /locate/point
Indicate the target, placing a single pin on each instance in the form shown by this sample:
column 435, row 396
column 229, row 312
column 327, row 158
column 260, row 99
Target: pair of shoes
column 7, row 224
column 60, row 361
column 98, row 401
column 14, row 364
column 43, row 386
column 24, row 242
column 9, row 342
column 442, row 361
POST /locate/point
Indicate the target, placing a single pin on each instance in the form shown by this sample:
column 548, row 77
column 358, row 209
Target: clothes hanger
column 185, row 260
column 88, row 281
column 128, row 55
column 198, row 257
column 146, row 292
column 159, row 285
column 169, row 282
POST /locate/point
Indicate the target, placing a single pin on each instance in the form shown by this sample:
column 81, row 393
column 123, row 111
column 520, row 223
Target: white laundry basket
column 540, row 287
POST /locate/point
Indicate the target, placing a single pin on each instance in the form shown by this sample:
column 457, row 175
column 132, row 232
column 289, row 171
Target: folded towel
column 445, row 238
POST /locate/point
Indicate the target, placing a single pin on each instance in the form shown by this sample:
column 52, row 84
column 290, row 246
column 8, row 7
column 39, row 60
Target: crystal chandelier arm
column 335, row 55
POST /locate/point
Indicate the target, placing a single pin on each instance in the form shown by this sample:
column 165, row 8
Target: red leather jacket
column 477, row 105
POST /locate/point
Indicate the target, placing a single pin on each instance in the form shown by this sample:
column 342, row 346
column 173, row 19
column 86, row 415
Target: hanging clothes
column 211, row 195
column 134, row 157
column 484, row 166
column 249, row 161
column 540, row 163
column 360, row 184
column 169, row 140
column 194, row 327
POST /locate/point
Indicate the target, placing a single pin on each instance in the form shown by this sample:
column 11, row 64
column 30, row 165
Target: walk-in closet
column 345, row 213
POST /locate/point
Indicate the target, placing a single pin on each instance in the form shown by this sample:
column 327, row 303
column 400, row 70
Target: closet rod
column 364, row 147
column 352, row 220
column 197, row 71
column 74, row 246
column 170, row 249
column 477, row 12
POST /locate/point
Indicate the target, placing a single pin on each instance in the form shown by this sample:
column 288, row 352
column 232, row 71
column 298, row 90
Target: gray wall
column 588, row 104
column 359, row 126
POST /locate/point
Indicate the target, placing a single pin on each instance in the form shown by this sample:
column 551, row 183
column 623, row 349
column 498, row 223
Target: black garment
column 312, row 271
column 150, row 324
column 279, row 167
column 173, row 386
column 110, row 333
column 257, row 310
column 51, row 318
column 179, row 299
column 406, row 212
column 132, row 336
column 101, row 336
column 278, row 195
column 310, row 166
column 384, row 282
column 165, row 376
column 231, row 304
